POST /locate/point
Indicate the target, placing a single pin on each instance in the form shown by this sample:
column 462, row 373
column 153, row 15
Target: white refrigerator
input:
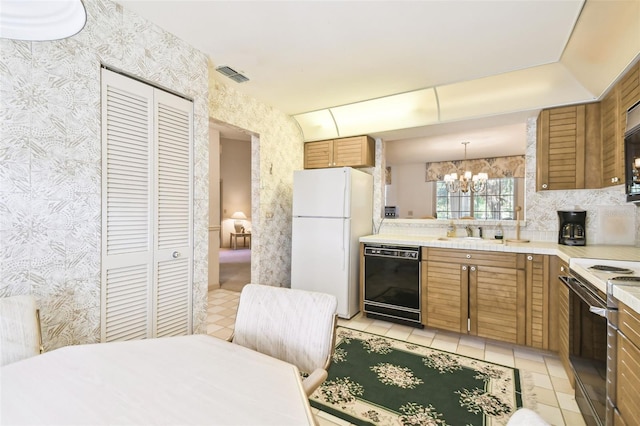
column 332, row 209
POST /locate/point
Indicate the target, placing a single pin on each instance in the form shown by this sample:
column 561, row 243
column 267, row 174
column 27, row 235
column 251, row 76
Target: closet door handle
column 175, row 254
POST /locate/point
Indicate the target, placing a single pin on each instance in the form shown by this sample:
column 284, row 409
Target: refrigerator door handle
column 344, row 248
column 345, row 196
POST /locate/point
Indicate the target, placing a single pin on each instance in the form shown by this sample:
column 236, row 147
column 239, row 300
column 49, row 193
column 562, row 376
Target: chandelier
column 467, row 180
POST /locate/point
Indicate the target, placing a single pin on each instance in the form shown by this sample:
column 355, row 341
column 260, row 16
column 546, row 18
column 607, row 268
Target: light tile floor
column 551, row 387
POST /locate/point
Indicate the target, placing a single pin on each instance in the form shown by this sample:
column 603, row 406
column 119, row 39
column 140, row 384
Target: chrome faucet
column 469, row 230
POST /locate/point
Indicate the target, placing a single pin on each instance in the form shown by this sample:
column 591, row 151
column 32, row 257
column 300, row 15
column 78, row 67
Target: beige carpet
column 235, row 268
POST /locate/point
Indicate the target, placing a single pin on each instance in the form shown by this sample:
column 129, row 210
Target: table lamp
column 238, row 224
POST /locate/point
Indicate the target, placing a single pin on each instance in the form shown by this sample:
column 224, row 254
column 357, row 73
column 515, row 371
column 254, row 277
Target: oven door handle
column 598, row 311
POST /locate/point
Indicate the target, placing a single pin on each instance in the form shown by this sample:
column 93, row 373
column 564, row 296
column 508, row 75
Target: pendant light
column 41, row 20
column 467, row 180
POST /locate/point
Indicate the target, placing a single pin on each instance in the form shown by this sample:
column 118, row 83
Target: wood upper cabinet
column 615, row 104
column 475, row 292
column 612, row 139
column 568, row 148
column 357, row 151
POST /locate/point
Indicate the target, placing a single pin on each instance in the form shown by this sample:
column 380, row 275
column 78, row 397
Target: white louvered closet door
column 146, row 223
column 173, row 120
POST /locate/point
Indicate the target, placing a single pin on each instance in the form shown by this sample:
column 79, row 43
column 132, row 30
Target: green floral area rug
column 383, row 381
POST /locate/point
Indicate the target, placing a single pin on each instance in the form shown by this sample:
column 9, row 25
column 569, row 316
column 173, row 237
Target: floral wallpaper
column 276, row 151
column 496, row 167
column 50, row 162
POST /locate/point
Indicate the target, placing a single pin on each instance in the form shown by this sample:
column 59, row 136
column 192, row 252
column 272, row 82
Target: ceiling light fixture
column 477, row 183
column 41, row 20
column 232, row 74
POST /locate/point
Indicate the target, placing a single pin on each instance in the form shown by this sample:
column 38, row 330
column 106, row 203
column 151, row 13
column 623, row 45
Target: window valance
column 496, row 167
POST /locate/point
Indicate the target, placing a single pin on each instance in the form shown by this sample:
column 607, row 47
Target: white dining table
column 187, row 380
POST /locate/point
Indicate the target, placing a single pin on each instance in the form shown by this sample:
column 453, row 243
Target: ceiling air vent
column 232, row 74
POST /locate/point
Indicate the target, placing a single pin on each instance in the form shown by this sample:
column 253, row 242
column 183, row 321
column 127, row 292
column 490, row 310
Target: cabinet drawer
column 474, row 257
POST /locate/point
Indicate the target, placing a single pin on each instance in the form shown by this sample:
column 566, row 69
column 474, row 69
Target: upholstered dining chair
column 296, row 326
column 526, row 417
column 20, row 334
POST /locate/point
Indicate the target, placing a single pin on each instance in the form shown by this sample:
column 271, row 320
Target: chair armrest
column 315, row 379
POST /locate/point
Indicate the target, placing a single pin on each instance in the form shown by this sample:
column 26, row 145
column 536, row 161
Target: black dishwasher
column 392, row 283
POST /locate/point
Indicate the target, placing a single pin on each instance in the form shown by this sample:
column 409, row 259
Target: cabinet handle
column 562, row 269
column 473, row 268
column 468, row 256
column 464, row 267
column 529, row 257
column 615, row 179
column 545, row 186
column 175, row 254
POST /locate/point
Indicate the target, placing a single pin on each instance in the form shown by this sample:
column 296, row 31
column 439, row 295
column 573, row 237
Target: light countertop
column 630, row 253
column 629, row 295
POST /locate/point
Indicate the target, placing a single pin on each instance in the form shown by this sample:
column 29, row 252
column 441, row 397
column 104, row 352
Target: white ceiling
column 487, row 61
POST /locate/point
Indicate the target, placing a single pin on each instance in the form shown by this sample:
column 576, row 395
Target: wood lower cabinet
column 628, row 367
column 563, row 321
column 539, row 302
column 445, row 293
column 357, row 151
column 497, row 303
column 475, row 292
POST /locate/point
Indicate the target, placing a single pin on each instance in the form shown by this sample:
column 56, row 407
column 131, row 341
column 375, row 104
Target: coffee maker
column 573, row 231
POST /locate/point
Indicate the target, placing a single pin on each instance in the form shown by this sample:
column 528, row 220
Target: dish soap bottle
column 451, row 230
column 498, row 235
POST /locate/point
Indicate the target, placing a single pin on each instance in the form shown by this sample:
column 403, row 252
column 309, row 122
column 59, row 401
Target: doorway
column 230, row 207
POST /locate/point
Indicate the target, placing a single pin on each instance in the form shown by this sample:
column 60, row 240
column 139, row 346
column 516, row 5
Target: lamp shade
column 40, row 20
column 238, row 224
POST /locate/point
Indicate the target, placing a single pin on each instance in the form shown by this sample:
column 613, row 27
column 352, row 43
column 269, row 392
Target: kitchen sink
column 475, row 240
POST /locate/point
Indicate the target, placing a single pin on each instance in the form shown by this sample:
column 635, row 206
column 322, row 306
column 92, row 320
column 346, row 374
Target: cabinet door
column 446, row 296
column 612, row 139
column 537, row 305
column 560, row 148
column 563, row 323
column 628, row 380
column 318, row 155
column 353, row 152
column 496, row 303
column 622, row 96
